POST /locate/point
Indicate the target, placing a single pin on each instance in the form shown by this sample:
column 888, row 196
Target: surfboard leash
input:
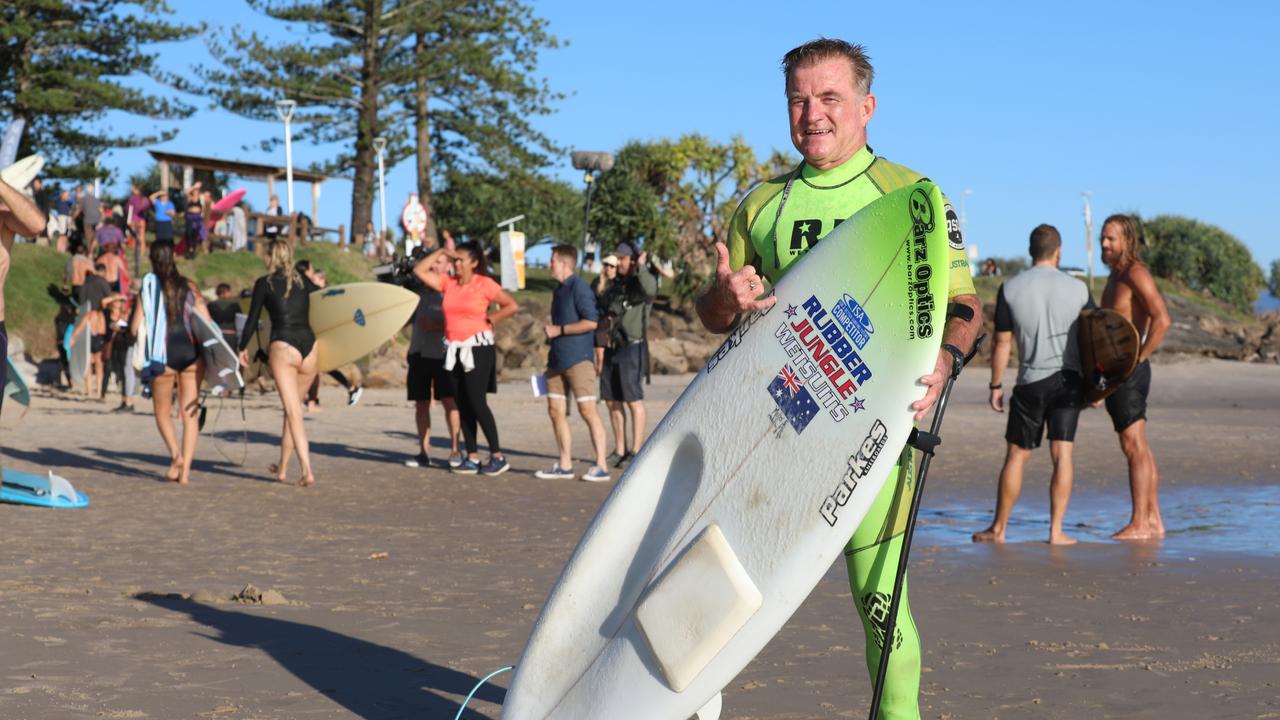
column 476, row 689
column 244, row 432
column 926, row 443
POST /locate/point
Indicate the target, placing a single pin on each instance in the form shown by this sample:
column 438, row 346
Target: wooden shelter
column 168, row 160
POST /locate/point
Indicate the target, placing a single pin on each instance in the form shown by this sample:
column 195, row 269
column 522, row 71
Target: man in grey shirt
column 90, row 214
column 1041, row 306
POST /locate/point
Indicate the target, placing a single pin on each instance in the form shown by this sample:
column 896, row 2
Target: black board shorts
column 1128, row 404
column 428, row 374
column 622, row 373
column 1054, row 401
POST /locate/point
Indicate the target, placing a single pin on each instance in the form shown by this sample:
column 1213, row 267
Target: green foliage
column 1273, row 283
column 29, row 309
column 1203, row 257
column 473, row 203
column 62, row 63
column 678, row 197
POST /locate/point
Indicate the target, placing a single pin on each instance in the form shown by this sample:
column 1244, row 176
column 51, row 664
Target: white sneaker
column 555, row 473
column 596, row 474
column 353, row 397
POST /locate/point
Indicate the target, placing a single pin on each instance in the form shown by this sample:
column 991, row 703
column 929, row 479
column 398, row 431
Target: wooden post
column 271, row 189
column 342, row 236
column 164, row 175
column 315, row 203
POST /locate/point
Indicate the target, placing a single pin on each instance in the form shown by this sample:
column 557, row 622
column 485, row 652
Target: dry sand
column 402, row 587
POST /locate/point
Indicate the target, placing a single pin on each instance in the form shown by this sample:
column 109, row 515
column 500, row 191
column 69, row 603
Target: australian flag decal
column 793, row 399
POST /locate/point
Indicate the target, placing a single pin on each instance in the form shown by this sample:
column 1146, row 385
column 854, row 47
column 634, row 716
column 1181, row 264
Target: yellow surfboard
column 349, row 322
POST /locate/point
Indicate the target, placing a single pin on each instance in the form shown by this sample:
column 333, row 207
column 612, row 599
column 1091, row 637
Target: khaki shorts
column 580, row 379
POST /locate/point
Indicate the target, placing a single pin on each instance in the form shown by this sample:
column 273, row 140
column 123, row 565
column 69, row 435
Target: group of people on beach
column 453, row 355
column 597, row 350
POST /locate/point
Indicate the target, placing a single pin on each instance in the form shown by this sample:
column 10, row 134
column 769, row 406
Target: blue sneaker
column 495, row 466
column 596, row 474
column 555, row 473
column 468, row 467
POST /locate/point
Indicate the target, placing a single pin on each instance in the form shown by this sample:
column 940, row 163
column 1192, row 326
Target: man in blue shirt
column 571, row 366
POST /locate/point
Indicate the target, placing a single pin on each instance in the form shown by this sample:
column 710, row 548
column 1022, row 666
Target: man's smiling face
column 828, row 113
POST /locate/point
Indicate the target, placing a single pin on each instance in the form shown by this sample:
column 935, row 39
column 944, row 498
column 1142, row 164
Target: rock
column 668, row 357
column 273, row 597
column 250, row 594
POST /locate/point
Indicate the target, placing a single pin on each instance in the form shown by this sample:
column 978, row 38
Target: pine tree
column 448, row 80
column 63, row 64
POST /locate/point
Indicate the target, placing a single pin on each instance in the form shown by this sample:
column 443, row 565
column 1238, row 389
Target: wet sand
column 402, row 587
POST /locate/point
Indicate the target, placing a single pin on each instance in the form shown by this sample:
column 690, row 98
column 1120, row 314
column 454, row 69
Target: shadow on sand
column 371, row 681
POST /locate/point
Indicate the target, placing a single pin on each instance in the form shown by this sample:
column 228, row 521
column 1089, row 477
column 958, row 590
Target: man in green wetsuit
column 829, row 100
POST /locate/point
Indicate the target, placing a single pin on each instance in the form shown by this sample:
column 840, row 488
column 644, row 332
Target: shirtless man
column 1132, row 292
column 18, row 216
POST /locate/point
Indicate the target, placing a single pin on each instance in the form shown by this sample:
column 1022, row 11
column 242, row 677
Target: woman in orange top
column 469, row 351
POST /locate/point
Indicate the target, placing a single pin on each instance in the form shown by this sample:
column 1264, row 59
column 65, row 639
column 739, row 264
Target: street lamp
column 285, row 108
column 593, row 163
column 380, row 146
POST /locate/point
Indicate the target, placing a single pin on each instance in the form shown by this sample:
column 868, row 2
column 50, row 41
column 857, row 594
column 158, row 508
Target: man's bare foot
column 1135, row 531
column 989, row 535
column 1061, row 538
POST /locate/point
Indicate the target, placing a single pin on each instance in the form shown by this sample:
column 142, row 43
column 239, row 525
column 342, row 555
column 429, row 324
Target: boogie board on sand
column 43, row 490
column 221, row 361
column 1109, row 346
column 349, row 322
column 20, row 174
column 751, row 485
column 15, row 386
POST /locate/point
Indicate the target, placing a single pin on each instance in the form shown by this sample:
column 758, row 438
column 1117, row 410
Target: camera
column 400, row 271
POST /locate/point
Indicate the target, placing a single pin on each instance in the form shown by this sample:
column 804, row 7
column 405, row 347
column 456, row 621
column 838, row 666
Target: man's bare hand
column 997, row 399
column 737, row 291
column 934, row 382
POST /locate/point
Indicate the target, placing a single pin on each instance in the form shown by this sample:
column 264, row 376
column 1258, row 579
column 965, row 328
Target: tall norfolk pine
column 448, row 80
column 62, row 64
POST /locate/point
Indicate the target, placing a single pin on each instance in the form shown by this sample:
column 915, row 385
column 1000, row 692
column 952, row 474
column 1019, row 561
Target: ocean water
column 1235, row 519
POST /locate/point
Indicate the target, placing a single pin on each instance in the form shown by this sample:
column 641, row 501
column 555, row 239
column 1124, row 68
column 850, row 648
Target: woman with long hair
column 163, row 321
column 469, row 351
column 292, row 354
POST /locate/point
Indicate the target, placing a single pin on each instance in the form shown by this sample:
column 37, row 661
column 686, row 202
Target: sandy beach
column 396, row 589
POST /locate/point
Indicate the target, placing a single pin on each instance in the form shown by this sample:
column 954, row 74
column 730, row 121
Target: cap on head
column 611, row 260
column 624, row 250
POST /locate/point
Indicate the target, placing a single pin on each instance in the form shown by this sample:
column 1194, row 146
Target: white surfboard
column 80, row 352
column 221, row 361
column 20, row 174
column 749, row 488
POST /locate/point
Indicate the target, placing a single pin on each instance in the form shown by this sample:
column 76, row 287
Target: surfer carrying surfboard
column 829, row 100
column 1042, row 306
column 1132, row 292
column 292, row 353
column 18, row 216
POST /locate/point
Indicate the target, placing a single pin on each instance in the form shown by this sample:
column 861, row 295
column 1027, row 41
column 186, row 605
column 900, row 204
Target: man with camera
column 626, row 315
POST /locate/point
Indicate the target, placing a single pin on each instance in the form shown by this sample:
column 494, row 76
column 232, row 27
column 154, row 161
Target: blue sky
column 1168, row 110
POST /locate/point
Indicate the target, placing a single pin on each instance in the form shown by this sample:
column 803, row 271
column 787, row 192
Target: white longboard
column 752, row 484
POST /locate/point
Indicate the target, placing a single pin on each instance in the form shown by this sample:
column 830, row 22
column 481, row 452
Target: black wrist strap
column 960, row 310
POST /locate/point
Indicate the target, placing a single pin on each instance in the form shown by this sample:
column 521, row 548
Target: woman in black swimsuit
column 183, row 365
column 292, row 354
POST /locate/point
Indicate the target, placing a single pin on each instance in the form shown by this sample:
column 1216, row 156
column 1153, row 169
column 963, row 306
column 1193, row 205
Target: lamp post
column 380, row 146
column 594, row 163
column 1088, row 237
column 285, row 108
